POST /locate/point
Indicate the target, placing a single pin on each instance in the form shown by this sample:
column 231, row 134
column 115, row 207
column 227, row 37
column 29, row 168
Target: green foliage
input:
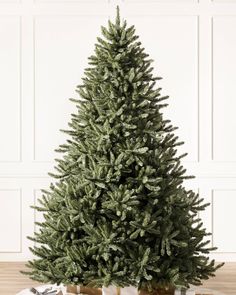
column 119, row 213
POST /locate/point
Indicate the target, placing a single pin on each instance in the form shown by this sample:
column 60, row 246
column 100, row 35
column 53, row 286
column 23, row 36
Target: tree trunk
column 160, row 291
column 82, row 289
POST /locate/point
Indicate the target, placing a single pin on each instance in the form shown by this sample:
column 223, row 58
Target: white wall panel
column 224, row 1
column 163, row 1
column 10, row 1
column 175, row 57
column 62, row 45
column 224, row 220
column 10, row 220
column 224, row 81
column 16, row 216
column 70, row 1
column 10, row 90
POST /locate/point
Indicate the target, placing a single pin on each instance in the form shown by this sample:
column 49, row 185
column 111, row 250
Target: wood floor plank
column 12, row 281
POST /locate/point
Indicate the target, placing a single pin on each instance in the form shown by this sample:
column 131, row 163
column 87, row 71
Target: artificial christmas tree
column 118, row 213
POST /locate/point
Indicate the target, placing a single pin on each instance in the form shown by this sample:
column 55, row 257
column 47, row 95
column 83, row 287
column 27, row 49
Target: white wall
column 44, row 45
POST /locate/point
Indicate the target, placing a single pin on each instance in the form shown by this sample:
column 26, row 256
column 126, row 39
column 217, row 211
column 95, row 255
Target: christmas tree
column 118, row 213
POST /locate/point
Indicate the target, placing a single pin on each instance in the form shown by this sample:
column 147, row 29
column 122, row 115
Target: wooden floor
column 11, row 281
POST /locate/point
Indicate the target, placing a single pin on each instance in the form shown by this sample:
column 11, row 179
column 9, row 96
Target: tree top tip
column 118, row 15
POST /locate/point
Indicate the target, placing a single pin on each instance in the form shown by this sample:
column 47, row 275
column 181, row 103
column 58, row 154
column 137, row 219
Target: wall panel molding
column 223, row 200
column 47, row 138
column 186, row 58
column 10, row 90
column 11, row 214
column 223, row 63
